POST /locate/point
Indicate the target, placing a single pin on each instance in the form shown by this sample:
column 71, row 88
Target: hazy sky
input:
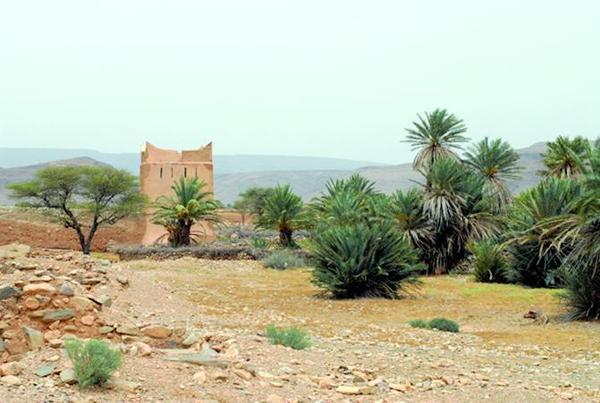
column 336, row 78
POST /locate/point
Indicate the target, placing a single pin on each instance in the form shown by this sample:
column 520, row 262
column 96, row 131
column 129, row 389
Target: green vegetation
column 252, row 201
column 442, row 324
column 93, row 361
column 284, row 259
column 490, row 262
column 83, row 199
column 283, row 211
column 179, row 212
column 293, row 337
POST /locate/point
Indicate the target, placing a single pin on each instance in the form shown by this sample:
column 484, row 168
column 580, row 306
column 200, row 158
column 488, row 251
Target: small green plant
column 443, row 324
column 293, row 337
column 419, row 323
column 284, row 259
column 259, row 243
column 93, row 361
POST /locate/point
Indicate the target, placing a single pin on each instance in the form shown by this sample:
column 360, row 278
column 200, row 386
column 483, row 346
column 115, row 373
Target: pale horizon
column 318, row 79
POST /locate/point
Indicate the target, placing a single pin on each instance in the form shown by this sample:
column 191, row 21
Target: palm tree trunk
column 285, row 237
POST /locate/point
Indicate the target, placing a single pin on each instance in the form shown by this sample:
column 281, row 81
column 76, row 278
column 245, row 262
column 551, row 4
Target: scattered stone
column 11, row 368
column 106, row 329
column 123, row 385
column 39, row 288
column 195, row 358
column 35, row 339
column 68, row 376
column 191, row 339
column 66, row 289
column 242, row 373
column 58, row 314
column 87, row 320
column 10, row 380
column 129, row 330
column 55, row 343
column 82, row 304
column 141, row 349
column 157, row 331
column 219, row 375
column 2, row 347
column 275, row 399
column 199, row 377
column 8, row 291
column 45, row 370
column 123, row 280
column 31, row 303
column 15, row 346
column 103, row 300
column 354, row 390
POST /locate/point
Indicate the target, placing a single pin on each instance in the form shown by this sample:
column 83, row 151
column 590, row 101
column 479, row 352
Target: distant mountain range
column 234, row 174
column 223, row 164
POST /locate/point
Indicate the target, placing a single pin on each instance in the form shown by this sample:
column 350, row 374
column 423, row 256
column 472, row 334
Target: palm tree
column 437, row 135
column 566, row 158
column 180, row 211
column 536, row 256
column 283, row 211
column 459, row 210
column 497, row 162
column 577, row 232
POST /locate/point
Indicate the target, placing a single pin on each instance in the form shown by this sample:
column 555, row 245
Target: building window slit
column 161, row 172
column 185, row 172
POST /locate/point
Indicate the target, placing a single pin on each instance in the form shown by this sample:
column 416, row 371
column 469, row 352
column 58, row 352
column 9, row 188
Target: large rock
column 82, row 304
column 58, row 314
column 45, row 370
column 35, row 339
column 157, row 331
column 39, row 288
column 8, row 291
column 16, row 346
column 129, row 330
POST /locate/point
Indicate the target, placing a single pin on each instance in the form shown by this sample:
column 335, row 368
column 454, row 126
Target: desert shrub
column 364, row 260
column 93, row 361
column 419, row 323
column 490, row 263
column 293, row 337
column 284, row 259
column 259, row 243
column 443, row 324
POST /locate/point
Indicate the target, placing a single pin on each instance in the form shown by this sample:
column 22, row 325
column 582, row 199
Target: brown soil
column 498, row 356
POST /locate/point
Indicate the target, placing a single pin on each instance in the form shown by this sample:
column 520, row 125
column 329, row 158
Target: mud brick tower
column 160, row 169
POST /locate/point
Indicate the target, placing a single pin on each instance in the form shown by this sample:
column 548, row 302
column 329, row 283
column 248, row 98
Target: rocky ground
column 186, row 338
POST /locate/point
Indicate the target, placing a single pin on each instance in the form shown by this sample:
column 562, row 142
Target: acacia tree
column 252, row 201
column 82, row 198
column 179, row 212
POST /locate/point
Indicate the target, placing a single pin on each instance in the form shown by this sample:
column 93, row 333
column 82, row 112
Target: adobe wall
column 159, row 170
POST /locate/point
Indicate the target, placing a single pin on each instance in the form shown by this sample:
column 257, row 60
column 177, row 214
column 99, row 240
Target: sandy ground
column 362, row 346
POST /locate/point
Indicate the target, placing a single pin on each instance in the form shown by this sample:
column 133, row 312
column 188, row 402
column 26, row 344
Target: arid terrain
column 192, row 330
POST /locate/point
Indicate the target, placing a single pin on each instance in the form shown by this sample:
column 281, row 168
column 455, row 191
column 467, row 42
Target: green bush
column 490, row 263
column 443, row 324
column 293, row 337
column 419, row 323
column 93, row 361
column 284, row 259
column 582, row 291
column 364, row 260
